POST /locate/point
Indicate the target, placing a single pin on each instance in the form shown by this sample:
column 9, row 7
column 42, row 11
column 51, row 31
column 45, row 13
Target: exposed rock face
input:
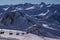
column 16, row 20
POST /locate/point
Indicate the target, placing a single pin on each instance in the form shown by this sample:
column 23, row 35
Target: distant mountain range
column 41, row 19
column 32, row 9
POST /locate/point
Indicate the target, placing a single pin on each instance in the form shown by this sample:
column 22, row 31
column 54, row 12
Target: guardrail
column 12, row 33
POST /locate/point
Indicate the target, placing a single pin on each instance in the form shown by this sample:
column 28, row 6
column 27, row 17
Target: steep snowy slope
column 20, row 35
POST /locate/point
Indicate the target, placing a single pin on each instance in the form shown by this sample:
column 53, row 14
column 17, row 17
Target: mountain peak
column 42, row 3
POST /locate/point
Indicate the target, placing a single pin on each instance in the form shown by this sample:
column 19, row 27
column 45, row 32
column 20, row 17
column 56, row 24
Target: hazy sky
column 4, row 2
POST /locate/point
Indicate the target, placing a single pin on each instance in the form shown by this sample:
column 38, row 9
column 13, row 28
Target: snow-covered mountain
column 17, row 20
column 39, row 19
column 32, row 9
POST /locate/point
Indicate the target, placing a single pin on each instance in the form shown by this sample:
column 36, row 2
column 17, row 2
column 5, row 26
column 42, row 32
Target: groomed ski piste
column 21, row 35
